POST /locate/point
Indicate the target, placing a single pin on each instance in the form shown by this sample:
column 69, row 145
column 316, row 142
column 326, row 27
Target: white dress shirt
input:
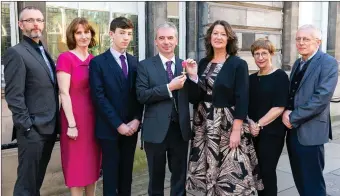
column 164, row 60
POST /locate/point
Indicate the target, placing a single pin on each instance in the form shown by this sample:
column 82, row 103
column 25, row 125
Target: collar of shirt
column 116, row 56
column 164, row 60
column 33, row 43
column 309, row 58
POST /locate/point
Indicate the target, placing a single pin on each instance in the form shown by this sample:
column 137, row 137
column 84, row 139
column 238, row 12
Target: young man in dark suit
column 118, row 113
column 166, row 127
column 32, row 95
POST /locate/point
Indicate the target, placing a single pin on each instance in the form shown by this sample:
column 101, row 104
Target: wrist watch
column 258, row 124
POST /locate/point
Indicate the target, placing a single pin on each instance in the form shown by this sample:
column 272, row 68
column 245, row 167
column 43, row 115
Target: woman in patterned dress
column 222, row 159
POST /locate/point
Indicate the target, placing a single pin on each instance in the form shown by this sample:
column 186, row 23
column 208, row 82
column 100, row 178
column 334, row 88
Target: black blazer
column 152, row 91
column 231, row 86
column 113, row 95
column 30, row 92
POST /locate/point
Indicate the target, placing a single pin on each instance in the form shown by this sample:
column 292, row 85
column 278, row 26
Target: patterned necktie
column 42, row 50
column 302, row 63
column 169, row 71
column 124, row 65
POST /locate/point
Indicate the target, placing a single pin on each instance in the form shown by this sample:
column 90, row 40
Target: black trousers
column 307, row 163
column 34, row 153
column 117, row 164
column 175, row 149
column 268, row 149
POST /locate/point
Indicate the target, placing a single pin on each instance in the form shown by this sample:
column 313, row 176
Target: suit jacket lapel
column 117, row 70
column 39, row 58
column 161, row 72
column 296, row 64
column 131, row 69
column 311, row 67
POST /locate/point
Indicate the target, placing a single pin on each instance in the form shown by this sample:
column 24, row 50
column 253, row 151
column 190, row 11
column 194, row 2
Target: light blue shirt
column 116, row 55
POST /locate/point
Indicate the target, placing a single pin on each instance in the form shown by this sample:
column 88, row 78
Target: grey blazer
column 31, row 94
column 311, row 116
column 152, row 92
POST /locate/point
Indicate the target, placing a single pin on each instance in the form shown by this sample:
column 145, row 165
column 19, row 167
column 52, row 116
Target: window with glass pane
column 57, row 21
column 100, row 21
column 5, row 34
column 133, row 47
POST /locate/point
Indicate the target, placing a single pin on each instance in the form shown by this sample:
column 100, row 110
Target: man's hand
column 134, row 124
column 177, row 82
column 191, row 68
column 124, row 129
column 285, row 119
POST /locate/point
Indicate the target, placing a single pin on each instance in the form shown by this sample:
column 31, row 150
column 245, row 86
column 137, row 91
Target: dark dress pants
column 175, row 149
column 34, row 153
column 307, row 163
column 268, row 149
column 117, row 163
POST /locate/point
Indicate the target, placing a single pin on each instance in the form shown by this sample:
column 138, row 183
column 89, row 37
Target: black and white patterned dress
column 214, row 168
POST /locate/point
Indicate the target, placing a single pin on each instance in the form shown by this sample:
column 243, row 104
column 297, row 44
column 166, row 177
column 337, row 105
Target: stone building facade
column 278, row 21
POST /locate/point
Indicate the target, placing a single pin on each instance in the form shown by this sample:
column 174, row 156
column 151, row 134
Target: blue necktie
column 47, row 61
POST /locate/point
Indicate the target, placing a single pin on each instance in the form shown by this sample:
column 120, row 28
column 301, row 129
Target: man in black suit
column 32, row 95
column 166, row 127
column 118, row 113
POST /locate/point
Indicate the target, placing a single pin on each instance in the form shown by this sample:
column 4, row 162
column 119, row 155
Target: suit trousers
column 268, row 149
column 175, row 149
column 307, row 163
column 34, row 153
column 117, row 164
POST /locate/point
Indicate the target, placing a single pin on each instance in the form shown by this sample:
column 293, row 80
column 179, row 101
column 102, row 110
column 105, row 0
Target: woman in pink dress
column 80, row 153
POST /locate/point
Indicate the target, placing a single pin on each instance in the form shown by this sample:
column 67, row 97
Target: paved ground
column 286, row 185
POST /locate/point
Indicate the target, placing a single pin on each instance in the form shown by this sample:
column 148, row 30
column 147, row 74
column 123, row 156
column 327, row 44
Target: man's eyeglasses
column 263, row 54
column 303, row 39
column 31, row 20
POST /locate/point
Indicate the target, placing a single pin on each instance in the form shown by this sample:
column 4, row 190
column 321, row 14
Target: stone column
column 333, row 33
column 290, row 26
column 191, row 30
column 203, row 24
column 156, row 13
column 41, row 5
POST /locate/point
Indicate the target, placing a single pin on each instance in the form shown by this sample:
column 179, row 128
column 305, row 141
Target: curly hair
column 72, row 29
column 232, row 41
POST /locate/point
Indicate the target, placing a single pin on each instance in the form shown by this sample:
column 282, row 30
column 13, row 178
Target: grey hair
column 316, row 32
column 27, row 8
column 167, row 25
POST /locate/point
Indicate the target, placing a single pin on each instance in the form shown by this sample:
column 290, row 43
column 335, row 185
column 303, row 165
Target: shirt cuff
column 194, row 80
column 170, row 93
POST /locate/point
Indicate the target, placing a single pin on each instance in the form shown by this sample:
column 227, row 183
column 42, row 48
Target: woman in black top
column 268, row 93
column 222, row 159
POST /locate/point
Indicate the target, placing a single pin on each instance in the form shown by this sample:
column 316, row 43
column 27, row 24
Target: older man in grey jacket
column 313, row 81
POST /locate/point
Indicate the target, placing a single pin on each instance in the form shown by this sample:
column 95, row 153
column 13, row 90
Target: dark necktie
column 169, row 71
column 124, row 65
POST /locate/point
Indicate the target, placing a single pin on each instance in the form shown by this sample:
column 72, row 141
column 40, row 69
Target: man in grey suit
column 32, row 95
column 166, row 93
column 313, row 81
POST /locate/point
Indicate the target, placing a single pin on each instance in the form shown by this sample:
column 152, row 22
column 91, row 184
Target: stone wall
column 250, row 20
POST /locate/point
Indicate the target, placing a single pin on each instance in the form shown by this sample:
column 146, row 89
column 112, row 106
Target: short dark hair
column 72, row 29
column 262, row 43
column 121, row 22
column 27, row 8
column 231, row 47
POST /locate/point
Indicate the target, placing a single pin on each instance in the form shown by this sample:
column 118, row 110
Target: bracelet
column 258, row 124
column 75, row 126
